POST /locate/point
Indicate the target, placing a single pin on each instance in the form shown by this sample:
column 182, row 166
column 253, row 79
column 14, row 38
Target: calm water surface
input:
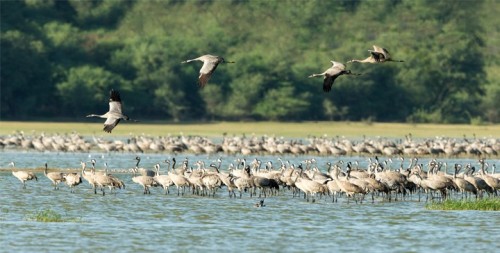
column 129, row 221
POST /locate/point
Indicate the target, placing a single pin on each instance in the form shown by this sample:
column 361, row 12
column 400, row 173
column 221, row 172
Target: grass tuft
column 49, row 216
column 488, row 204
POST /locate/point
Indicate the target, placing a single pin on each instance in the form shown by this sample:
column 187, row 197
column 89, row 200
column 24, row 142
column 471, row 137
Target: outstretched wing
column 115, row 111
column 206, row 71
column 338, row 65
column 383, row 51
column 110, row 124
column 114, row 96
column 330, row 76
column 386, row 53
column 377, row 49
column 377, row 56
column 115, row 102
column 328, row 83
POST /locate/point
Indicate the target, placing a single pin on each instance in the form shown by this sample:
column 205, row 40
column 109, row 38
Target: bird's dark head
column 222, row 60
column 349, row 72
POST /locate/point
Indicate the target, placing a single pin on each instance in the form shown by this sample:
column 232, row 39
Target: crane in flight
column 377, row 55
column 210, row 63
column 337, row 69
column 114, row 115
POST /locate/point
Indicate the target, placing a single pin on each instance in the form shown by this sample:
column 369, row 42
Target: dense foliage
column 61, row 58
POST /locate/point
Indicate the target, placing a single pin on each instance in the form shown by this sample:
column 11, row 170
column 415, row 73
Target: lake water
column 130, row 221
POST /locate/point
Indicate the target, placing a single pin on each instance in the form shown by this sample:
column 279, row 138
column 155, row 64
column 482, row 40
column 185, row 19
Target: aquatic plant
column 487, row 204
column 49, row 216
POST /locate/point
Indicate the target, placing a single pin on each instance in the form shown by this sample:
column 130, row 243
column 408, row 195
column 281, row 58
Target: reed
column 486, row 204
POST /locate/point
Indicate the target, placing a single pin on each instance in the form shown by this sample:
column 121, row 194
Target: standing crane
column 22, row 175
column 332, row 73
column 54, row 177
column 114, row 115
column 210, row 63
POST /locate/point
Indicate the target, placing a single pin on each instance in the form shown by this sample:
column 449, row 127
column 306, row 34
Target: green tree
column 279, row 104
column 53, row 50
column 26, row 88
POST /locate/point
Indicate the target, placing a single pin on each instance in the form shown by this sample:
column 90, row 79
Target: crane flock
column 210, row 63
column 256, row 145
column 382, row 180
column 307, row 179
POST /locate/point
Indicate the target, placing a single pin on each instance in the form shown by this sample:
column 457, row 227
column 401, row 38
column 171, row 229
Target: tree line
column 59, row 59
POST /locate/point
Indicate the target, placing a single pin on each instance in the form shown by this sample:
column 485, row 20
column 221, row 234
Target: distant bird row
column 253, row 145
column 210, row 63
column 377, row 179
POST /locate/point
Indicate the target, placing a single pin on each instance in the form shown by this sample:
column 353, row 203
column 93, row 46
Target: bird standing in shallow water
column 54, row 177
column 332, row 73
column 210, row 63
column 260, row 203
column 23, row 176
column 114, row 115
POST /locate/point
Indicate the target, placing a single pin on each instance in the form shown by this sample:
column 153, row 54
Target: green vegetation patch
column 49, row 216
column 479, row 205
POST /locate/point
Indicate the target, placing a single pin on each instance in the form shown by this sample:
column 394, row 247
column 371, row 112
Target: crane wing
column 330, row 76
column 114, row 96
column 115, row 102
column 386, row 53
column 115, row 107
column 383, row 51
column 377, row 56
column 377, row 49
column 338, row 65
column 110, row 123
column 206, row 72
column 328, row 83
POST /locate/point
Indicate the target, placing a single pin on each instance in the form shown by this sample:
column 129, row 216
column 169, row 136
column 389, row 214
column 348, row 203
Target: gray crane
column 210, row 63
column 377, row 55
column 54, row 177
column 22, row 175
column 114, row 115
column 332, row 73
column 142, row 171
